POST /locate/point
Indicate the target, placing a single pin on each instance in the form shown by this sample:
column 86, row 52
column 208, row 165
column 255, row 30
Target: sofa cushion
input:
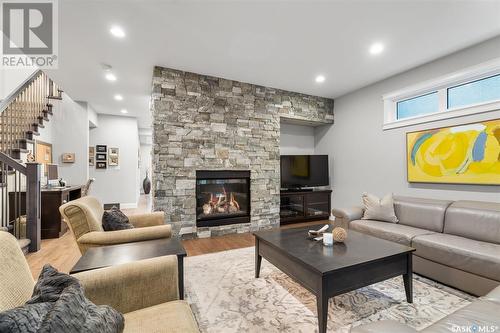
column 175, row 316
column 494, row 295
column 390, row 231
column 421, row 213
column 17, row 283
column 476, row 257
column 481, row 314
column 379, row 209
column 59, row 305
column 474, row 219
column 114, row 219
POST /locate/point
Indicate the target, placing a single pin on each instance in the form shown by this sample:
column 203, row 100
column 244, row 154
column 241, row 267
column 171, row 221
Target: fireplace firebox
column 222, row 197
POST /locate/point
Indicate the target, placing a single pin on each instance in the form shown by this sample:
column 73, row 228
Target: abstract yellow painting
column 463, row 154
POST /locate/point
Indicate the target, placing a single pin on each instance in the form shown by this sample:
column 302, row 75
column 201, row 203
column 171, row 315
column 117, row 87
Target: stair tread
column 33, row 132
column 26, row 140
column 54, row 97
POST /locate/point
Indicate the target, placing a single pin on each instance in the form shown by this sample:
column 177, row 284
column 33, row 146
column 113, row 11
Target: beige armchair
column 84, row 217
column 144, row 291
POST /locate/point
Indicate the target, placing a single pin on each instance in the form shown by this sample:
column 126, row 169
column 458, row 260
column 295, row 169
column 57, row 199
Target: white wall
column 296, row 139
column 67, row 131
column 365, row 158
column 92, row 114
column 118, row 184
column 145, row 163
column 11, row 79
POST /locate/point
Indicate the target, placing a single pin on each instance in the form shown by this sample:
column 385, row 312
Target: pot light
column 110, row 76
column 376, row 48
column 320, row 79
column 119, row 97
column 117, row 31
column 123, row 111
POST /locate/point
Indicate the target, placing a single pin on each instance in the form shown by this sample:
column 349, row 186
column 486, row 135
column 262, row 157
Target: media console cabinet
column 301, row 206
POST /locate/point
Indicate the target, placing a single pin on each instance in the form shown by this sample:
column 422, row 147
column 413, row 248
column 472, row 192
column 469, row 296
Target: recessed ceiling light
column 117, row 31
column 123, row 111
column 110, row 76
column 119, row 97
column 320, row 79
column 376, row 48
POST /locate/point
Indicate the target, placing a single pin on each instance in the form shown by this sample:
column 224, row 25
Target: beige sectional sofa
column 482, row 315
column 457, row 243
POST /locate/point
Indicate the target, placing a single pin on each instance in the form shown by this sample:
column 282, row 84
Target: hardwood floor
column 63, row 253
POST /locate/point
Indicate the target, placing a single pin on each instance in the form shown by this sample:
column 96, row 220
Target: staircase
column 22, row 114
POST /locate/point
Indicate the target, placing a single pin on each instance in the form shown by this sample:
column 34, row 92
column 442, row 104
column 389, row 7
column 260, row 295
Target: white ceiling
column 282, row 44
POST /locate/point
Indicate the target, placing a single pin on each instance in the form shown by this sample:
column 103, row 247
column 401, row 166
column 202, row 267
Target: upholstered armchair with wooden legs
column 145, row 292
column 84, row 218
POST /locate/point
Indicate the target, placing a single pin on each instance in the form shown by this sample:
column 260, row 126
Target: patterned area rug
column 226, row 297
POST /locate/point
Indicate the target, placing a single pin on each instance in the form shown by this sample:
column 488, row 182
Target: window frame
column 441, row 85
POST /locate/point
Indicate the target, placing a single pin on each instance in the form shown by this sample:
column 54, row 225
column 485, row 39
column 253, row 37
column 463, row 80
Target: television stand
column 302, row 206
column 297, row 190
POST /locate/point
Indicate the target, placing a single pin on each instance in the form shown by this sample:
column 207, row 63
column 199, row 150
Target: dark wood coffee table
column 105, row 256
column 328, row 271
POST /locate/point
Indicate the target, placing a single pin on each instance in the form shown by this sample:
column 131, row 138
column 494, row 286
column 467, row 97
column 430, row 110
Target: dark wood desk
column 52, row 198
column 112, row 255
column 328, row 271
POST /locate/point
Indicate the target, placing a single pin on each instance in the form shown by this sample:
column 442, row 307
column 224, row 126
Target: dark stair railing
column 21, row 115
column 20, row 200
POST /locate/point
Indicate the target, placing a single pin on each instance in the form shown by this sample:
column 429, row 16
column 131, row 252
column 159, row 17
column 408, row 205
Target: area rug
column 226, row 297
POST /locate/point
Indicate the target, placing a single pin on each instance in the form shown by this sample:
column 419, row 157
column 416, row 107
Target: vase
column 146, row 184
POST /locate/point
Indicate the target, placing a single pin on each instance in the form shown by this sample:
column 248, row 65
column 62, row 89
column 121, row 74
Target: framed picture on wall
column 68, row 157
column 100, row 165
column 101, row 157
column 458, row 154
column 113, row 155
column 101, row 148
column 43, row 154
column 91, row 156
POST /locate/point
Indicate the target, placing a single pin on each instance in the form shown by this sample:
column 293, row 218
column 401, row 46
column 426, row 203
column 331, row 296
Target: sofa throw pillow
column 59, row 305
column 379, row 209
column 114, row 219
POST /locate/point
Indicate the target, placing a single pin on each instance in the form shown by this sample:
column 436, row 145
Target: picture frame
column 91, row 156
column 68, row 157
column 113, row 156
column 43, row 154
column 101, row 157
column 100, row 165
column 474, row 165
column 101, row 148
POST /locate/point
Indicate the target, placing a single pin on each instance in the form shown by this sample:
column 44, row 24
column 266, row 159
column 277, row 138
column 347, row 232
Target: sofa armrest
column 147, row 220
column 494, row 295
column 385, row 326
column 133, row 286
column 100, row 238
column 348, row 214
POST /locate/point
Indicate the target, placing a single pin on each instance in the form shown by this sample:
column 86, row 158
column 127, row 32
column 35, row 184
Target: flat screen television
column 298, row 171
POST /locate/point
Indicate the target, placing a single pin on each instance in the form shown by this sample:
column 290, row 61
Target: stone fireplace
column 205, row 123
column 222, row 197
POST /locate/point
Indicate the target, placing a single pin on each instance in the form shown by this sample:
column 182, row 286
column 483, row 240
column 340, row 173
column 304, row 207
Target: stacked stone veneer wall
column 208, row 123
